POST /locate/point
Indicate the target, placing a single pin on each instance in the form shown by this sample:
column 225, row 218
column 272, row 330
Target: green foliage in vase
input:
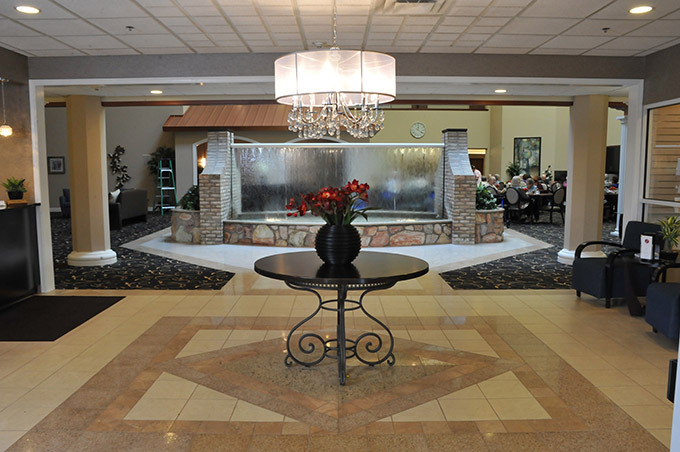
column 670, row 228
column 163, row 152
column 484, row 199
column 191, row 199
column 512, row 169
column 14, row 184
column 117, row 168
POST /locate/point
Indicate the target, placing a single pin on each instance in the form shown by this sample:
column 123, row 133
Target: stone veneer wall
column 186, row 226
column 215, row 187
column 459, row 186
column 489, row 226
column 298, row 235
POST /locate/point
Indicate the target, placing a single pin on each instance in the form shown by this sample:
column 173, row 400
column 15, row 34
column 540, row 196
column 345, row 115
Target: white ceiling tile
column 468, row 37
column 32, row 43
column 224, row 36
column 450, row 29
column 353, row 9
column 575, row 42
column 375, row 43
column 440, row 37
column 522, row 41
column 521, row 25
column 196, row 37
column 166, row 12
column 447, row 49
column 126, row 51
column 659, row 28
column 143, row 25
column 61, row 27
column 471, row 11
column 9, row 28
column 635, row 43
column 171, row 21
column 544, row 51
column 516, row 3
column 256, row 36
column 48, row 10
column 315, row 10
column 492, row 21
column 225, row 49
column 57, row 53
column 276, row 10
column 421, row 20
column 220, row 28
column 593, row 27
column 241, row 28
column 201, row 10
column 96, row 9
column 197, row 44
column 666, row 45
column 412, row 36
column 563, row 8
column 386, row 20
column 610, row 52
column 248, row 20
column 504, row 50
column 290, row 43
column 278, row 28
column 619, row 10
column 482, row 30
column 238, row 10
column 675, row 15
column 473, row 2
column 194, row 2
column 382, row 36
column 352, row 20
column 152, row 3
column 286, row 36
column 164, row 50
column 151, row 41
column 182, row 29
column 384, row 28
column 93, row 42
column 211, row 20
column 502, row 11
column 456, row 20
column 350, row 29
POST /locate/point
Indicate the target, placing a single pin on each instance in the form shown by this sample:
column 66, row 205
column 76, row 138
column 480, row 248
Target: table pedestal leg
column 342, row 352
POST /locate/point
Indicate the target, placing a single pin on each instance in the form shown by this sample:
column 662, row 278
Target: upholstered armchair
column 603, row 277
column 662, row 310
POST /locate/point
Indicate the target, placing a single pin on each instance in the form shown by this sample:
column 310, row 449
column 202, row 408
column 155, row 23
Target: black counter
column 19, row 269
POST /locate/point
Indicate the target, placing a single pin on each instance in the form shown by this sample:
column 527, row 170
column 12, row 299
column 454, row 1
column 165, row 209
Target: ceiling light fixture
column 500, row 91
column 156, row 91
column 5, row 129
column 330, row 89
column 640, row 9
column 27, row 9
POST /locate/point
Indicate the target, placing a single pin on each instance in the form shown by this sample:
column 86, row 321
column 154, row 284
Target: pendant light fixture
column 330, row 89
column 5, row 129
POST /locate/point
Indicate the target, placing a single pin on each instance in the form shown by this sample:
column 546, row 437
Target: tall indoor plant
column 338, row 242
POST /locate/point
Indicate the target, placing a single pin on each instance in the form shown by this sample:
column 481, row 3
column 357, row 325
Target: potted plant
column 484, row 199
column 15, row 188
column 512, row 169
column 670, row 229
column 337, row 242
column 191, row 199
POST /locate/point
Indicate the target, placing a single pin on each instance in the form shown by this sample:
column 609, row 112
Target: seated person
column 531, row 187
column 491, row 181
column 517, row 182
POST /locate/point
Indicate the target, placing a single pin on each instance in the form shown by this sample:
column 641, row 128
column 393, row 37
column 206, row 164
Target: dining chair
column 663, row 304
column 556, row 203
column 515, row 204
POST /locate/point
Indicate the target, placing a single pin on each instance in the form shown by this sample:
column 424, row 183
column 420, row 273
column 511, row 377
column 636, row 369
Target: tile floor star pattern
column 196, row 370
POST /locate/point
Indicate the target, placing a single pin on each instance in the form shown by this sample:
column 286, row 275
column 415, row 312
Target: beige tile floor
column 618, row 354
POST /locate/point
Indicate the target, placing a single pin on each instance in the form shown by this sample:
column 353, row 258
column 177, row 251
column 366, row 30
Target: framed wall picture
column 528, row 155
column 56, row 165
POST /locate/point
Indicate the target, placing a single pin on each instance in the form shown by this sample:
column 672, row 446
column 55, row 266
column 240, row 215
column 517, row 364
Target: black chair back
column 491, row 189
column 631, row 238
column 512, row 196
column 559, row 195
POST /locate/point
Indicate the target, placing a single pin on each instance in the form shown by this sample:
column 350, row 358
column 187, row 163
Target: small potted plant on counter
column 15, row 188
column 670, row 229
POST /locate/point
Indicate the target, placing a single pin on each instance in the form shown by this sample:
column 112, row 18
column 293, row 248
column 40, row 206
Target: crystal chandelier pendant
column 332, row 89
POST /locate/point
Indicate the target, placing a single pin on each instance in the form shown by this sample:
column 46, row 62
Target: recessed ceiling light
column 27, row 9
column 640, row 9
column 500, row 91
column 156, row 91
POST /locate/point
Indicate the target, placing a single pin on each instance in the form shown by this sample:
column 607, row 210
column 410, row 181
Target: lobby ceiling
column 545, row 27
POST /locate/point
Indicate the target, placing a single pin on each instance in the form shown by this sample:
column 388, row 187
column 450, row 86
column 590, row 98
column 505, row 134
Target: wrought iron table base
column 340, row 348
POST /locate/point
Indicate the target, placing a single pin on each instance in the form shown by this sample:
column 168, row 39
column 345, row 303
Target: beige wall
column 138, row 129
column 16, row 158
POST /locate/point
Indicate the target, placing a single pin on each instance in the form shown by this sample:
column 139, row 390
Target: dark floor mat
column 534, row 270
column 47, row 318
column 134, row 269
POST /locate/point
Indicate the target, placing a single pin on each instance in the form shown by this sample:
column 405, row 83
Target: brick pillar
column 215, row 187
column 459, row 186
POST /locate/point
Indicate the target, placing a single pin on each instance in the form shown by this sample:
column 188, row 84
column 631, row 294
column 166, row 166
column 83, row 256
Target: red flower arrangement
column 335, row 205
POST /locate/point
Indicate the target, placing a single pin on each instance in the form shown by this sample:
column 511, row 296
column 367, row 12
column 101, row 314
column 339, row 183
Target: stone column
column 585, row 183
column 459, row 186
column 88, row 183
column 215, row 187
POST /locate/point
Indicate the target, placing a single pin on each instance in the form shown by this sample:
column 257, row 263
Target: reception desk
column 19, row 270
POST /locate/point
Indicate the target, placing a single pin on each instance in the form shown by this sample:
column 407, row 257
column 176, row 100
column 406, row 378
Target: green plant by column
column 15, row 188
column 117, row 169
column 512, row 169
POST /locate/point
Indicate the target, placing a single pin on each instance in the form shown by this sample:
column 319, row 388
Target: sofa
column 65, row 203
column 130, row 204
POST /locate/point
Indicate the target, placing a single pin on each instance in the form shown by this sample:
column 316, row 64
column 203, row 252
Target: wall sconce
column 5, row 129
column 202, row 161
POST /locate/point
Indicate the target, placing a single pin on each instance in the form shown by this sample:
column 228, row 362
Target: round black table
column 369, row 272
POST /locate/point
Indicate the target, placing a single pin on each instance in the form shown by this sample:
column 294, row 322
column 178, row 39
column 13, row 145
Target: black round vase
column 15, row 194
column 337, row 244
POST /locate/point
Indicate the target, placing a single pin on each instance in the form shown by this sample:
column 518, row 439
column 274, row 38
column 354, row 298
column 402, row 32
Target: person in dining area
column 532, row 189
column 517, row 182
column 491, row 181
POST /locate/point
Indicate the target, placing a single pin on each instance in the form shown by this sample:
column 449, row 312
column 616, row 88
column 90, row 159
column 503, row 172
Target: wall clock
column 418, row 130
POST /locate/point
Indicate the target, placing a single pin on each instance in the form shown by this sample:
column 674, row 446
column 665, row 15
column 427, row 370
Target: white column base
column 92, row 258
column 566, row 256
